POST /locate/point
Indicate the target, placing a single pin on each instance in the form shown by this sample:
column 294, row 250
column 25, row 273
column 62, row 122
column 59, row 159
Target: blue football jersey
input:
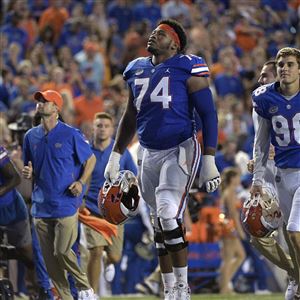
column 164, row 112
column 284, row 116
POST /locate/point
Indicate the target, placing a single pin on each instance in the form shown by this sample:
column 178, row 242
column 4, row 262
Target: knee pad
column 159, row 243
column 173, row 234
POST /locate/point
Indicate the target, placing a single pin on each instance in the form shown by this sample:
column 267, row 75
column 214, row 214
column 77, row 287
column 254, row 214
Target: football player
column 164, row 91
column 268, row 246
column 278, row 109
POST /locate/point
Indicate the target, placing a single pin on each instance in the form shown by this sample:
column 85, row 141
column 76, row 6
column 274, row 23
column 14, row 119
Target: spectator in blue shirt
column 278, row 6
column 147, row 10
column 72, row 35
column 228, row 82
column 5, row 88
column 122, row 12
column 103, row 129
column 60, row 161
column 226, row 157
column 15, row 34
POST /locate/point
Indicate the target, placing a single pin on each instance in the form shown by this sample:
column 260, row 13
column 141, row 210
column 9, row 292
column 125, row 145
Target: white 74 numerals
column 159, row 94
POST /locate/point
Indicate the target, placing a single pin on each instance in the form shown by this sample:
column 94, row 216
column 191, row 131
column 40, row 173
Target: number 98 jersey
column 164, row 113
column 284, row 116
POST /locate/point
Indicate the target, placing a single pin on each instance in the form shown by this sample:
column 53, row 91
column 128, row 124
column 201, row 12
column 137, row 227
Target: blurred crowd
column 80, row 49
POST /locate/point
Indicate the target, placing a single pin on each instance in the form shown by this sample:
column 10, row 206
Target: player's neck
column 289, row 89
column 158, row 59
column 102, row 144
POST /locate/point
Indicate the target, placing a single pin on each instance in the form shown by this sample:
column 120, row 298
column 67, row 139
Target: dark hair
column 37, row 118
column 4, row 72
column 179, row 30
column 272, row 64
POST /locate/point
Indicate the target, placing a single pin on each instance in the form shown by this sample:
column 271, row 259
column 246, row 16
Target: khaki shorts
column 95, row 239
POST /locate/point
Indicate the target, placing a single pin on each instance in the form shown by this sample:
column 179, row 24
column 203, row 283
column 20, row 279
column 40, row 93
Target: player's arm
column 125, row 133
column 260, row 153
column 201, row 97
column 11, row 178
column 127, row 126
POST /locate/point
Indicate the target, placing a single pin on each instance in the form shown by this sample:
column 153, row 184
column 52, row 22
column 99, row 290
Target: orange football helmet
column 119, row 200
column 262, row 215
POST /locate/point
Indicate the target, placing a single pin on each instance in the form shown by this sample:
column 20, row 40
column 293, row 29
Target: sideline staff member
column 60, row 161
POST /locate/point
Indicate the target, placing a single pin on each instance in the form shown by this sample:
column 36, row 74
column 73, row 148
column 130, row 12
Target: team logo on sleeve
column 58, row 145
column 273, row 109
column 139, row 72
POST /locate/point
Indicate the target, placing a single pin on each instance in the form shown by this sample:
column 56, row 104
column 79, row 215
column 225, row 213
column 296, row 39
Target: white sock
column 181, row 274
column 168, row 280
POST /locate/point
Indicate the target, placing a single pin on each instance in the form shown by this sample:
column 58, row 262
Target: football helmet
column 261, row 215
column 118, row 200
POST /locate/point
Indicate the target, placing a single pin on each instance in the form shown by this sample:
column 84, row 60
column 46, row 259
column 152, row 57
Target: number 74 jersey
column 165, row 115
column 284, row 117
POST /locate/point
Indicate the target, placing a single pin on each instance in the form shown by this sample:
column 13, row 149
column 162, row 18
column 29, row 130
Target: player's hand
column 27, row 171
column 209, row 174
column 256, row 190
column 76, row 188
column 250, row 166
column 113, row 166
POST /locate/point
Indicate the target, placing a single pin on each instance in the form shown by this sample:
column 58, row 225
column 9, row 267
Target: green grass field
column 210, row 297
